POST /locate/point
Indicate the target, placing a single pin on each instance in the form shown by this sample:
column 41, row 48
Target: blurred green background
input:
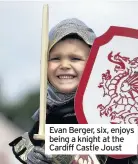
column 20, row 113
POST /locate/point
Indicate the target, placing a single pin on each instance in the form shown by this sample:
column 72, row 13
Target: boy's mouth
column 66, row 76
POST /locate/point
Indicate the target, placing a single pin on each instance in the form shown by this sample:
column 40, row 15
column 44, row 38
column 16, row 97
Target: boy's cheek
column 52, row 67
column 80, row 66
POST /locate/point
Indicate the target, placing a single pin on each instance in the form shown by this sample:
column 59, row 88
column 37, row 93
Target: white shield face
column 111, row 92
column 113, row 84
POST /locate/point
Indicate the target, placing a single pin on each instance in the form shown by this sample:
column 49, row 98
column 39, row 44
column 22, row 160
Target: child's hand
column 37, row 156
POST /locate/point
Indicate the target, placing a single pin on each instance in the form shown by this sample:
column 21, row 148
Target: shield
column 108, row 90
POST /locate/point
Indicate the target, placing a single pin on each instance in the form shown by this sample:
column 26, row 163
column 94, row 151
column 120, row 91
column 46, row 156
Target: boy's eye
column 55, row 58
column 75, row 58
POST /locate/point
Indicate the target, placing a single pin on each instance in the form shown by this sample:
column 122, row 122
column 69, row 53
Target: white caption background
column 91, row 138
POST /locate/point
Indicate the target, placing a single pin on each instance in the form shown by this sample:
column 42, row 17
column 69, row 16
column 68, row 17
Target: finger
column 80, row 161
column 85, row 162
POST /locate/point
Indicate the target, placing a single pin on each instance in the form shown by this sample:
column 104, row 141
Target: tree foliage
column 21, row 112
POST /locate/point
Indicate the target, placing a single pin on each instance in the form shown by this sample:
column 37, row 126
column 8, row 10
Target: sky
column 20, row 35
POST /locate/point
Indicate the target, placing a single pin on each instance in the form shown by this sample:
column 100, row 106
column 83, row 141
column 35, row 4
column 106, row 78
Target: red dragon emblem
column 122, row 90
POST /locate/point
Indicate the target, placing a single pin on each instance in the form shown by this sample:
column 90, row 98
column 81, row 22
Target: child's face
column 67, row 60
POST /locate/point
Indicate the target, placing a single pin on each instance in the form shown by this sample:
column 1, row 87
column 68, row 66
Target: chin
column 67, row 90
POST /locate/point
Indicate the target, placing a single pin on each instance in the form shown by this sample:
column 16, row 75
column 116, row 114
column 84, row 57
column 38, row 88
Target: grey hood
column 56, row 99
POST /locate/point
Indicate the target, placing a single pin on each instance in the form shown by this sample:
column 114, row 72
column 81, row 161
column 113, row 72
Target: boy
column 69, row 46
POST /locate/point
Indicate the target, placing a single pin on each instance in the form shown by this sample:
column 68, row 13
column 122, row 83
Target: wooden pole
column 43, row 75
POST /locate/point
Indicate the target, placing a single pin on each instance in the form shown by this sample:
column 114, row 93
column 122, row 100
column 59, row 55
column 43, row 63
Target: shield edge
column 99, row 41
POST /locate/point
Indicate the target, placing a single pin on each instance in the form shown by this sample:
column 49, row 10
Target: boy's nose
column 65, row 64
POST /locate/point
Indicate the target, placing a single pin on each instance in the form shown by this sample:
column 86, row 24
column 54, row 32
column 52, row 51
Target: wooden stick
column 43, row 76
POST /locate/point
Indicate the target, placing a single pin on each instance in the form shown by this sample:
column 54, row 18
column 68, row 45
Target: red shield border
column 105, row 38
